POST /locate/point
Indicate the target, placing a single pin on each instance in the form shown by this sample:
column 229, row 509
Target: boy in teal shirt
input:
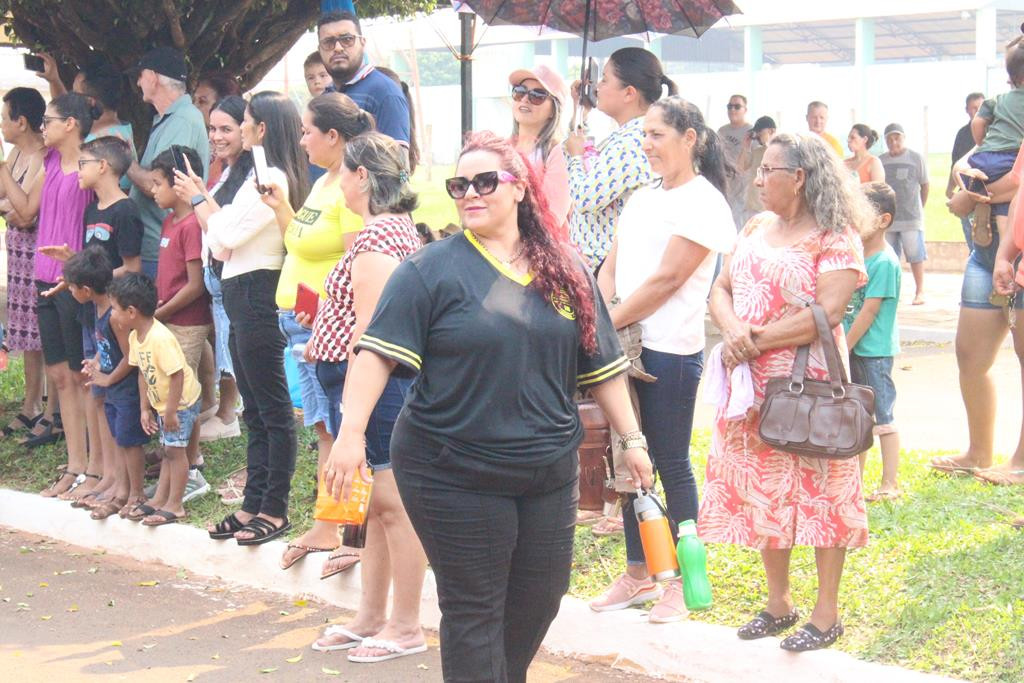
column 873, row 337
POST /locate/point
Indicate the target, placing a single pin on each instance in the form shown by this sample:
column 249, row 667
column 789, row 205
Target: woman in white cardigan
column 244, row 234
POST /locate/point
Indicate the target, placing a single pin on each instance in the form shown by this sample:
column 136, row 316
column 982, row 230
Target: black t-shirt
column 498, row 362
column 963, row 143
column 117, row 228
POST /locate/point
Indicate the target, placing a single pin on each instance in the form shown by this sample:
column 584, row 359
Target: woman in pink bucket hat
column 539, row 96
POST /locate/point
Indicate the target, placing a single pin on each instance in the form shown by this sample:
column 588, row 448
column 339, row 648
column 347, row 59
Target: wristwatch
column 198, row 199
column 634, row 439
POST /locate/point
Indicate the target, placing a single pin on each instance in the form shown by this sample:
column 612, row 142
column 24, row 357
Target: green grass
column 436, row 208
column 939, row 224
column 939, row 588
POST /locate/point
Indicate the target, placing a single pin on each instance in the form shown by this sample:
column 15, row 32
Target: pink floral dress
column 755, row 495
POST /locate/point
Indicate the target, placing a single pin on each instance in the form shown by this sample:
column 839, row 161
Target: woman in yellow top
column 315, row 237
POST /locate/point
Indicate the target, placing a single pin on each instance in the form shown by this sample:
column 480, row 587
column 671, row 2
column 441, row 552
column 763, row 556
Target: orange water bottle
column 656, row 537
column 351, row 510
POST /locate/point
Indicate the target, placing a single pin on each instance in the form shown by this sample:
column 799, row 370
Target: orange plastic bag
column 351, row 510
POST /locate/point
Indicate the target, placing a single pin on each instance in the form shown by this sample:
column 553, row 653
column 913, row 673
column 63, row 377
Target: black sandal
column 26, row 423
column 262, row 531
column 226, row 528
column 51, row 433
column 764, row 625
column 809, row 637
column 139, row 512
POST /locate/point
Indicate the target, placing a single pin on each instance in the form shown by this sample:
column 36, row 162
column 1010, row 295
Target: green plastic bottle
column 693, row 560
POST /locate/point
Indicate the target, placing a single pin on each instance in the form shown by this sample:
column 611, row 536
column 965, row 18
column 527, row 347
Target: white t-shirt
column 244, row 234
column 695, row 211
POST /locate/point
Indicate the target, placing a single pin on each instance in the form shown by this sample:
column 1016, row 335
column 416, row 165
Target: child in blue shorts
column 167, row 386
column 89, row 274
column 873, row 336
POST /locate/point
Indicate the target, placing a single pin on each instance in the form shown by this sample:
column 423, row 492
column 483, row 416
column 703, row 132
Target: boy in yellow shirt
column 168, row 386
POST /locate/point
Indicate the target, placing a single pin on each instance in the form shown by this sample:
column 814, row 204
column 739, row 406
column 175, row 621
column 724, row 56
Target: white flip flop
column 394, row 650
column 354, row 640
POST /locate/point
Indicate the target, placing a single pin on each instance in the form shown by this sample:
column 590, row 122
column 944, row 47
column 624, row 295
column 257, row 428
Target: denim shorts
column 909, row 242
column 314, row 400
column 977, row 285
column 876, row 373
column 382, row 419
column 221, row 324
column 125, row 422
column 995, row 165
column 187, row 419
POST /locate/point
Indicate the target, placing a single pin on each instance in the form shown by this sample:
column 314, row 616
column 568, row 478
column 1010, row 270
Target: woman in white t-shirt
column 660, row 267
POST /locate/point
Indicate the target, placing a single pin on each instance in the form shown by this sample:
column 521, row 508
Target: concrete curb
column 690, row 650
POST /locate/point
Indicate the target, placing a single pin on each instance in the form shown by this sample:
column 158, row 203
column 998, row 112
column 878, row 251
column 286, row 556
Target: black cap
column 893, row 128
column 764, row 123
column 166, row 61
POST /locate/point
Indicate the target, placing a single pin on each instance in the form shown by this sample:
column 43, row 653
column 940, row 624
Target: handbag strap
column 836, row 370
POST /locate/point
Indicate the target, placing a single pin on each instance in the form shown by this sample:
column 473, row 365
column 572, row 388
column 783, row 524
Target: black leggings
column 499, row 538
column 257, row 353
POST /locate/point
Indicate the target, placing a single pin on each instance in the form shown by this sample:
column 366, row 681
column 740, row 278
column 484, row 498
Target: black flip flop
column 140, row 511
column 226, row 528
column 26, row 423
column 263, row 531
column 165, row 518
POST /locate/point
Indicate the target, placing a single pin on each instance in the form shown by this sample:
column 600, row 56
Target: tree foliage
column 245, row 38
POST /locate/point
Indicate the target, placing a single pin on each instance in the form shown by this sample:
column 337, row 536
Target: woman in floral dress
column 804, row 248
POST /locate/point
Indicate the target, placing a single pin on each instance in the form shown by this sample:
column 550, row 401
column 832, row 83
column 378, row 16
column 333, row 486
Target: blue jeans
column 314, row 400
column 221, row 324
column 187, row 418
column 965, row 223
column 382, row 419
column 876, row 372
column 149, row 269
column 910, row 243
column 666, row 415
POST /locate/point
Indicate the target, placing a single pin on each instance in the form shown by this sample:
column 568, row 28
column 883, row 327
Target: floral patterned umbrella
column 599, row 19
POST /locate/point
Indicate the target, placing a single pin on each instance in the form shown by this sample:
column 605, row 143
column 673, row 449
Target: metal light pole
column 468, row 22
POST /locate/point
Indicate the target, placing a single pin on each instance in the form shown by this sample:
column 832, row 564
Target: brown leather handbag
column 818, row 418
column 595, row 456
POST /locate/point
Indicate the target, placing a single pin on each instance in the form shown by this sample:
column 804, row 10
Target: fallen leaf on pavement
column 283, row 613
column 215, row 657
column 300, row 603
column 148, row 646
column 268, row 670
column 422, row 666
column 68, row 571
column 93, row 570
column 46, row 618
column 330, row 672
column 43, row 584
column 73, row 608
column 294, row 660
column 116, row 643
column 148, row 583
column 191, row 677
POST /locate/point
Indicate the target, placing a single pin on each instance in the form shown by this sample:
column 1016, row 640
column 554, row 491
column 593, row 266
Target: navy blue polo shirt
column 382, row 97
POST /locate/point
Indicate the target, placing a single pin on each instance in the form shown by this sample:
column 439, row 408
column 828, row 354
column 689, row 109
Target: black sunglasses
column 536, row 95
column 734, row 106
column 346, row 40
column 484, row 183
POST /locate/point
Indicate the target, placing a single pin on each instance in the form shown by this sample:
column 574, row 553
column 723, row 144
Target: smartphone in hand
column 259, row 165
column 34, row 63
column 179, row 158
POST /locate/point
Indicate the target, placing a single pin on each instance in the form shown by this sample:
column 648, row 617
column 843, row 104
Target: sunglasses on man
column 346, row 40
column 484, row 183
column 734, row 106
column 536, row 96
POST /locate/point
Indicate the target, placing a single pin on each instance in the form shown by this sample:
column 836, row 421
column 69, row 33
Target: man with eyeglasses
column 341, row 46
column 733, row 134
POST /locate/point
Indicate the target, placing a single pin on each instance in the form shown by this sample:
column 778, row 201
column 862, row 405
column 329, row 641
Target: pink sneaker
column 671, row 607
column 625, row 591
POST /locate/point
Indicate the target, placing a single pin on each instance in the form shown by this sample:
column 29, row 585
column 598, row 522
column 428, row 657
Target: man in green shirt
column 162, row 75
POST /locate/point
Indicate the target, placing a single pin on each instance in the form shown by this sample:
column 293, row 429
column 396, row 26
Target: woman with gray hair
column 375, row 182
column 804, row 248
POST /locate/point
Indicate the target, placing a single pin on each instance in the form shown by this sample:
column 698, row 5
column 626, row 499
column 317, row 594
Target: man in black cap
column 162, row 75
column 751, row 154
column 907, row 174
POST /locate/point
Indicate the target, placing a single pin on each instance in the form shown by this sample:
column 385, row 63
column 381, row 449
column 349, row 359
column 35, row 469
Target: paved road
column 69, row 614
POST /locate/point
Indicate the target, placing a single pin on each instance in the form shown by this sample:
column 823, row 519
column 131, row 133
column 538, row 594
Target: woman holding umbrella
column 632, row 80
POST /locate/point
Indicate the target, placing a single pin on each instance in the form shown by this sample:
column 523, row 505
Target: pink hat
column 547, row 76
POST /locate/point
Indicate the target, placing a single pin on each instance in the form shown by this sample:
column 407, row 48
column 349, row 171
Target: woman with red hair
column 502, row 324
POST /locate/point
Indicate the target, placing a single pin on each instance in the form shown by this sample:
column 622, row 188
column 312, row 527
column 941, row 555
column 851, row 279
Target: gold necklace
column 518, row 254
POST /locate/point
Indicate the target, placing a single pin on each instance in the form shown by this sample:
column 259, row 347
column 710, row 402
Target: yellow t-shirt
column 158, row 357
column 314, row 240
column 836, row 146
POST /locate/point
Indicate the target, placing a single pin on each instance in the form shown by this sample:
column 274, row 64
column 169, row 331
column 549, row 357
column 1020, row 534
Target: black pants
column 257, row 352
column 499, row 538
